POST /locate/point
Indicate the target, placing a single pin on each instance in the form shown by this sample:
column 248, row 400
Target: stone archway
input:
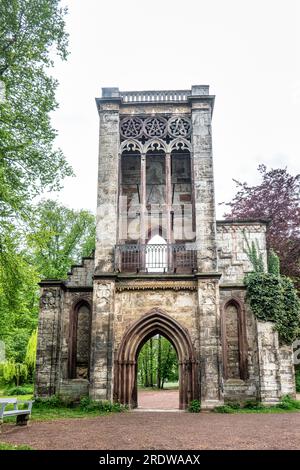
column 125, row 371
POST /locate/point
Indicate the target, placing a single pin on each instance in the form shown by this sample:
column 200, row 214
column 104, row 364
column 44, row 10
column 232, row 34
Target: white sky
column 248, row 51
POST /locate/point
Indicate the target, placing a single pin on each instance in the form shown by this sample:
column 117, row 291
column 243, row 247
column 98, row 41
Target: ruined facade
column 162, row 264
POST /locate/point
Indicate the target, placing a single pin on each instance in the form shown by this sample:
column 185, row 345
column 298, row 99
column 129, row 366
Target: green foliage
column 157, row 363
column 273, row 263
column 235, row 405
column 59, row 237
column 55, row 401
column 13, row 373
column 30, row 357
column 5, row 446
column 274, row 298
column 223, row 409
column 254, row 255
column 20, row 390
column 87, row 404
column 288, row 403
column 31, row 32
column 297, row 379
column 194, row 406
column 253, row 405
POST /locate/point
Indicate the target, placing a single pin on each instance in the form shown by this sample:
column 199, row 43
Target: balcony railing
column 162, row 258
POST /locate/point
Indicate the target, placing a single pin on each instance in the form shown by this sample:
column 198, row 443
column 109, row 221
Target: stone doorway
column 153, row 323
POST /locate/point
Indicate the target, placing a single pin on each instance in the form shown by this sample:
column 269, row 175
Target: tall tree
column 59, row 237
column 32, row 32
column 276, row 198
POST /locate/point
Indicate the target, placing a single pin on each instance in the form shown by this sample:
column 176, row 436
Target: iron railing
column 155, row 258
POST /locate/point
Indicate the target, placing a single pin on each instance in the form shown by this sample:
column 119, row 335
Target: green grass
column 167, row 386
column 5, row 446
column 286, row 404
column 55, row 408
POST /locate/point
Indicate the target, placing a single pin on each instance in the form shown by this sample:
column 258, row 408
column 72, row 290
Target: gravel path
column 162, row 399
column 159, row 430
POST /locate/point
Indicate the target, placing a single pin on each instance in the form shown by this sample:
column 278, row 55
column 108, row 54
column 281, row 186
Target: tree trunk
column 159, row 363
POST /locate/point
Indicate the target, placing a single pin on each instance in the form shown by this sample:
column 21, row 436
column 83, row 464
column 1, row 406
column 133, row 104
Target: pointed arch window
column 79, row 341
column 234, row 341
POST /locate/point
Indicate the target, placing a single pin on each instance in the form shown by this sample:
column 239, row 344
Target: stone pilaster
column 205, row 224
column 287, row 371
column 107, row 200
column 268, row 357
column 101, row 368
column 210, row 343
column 48, row 347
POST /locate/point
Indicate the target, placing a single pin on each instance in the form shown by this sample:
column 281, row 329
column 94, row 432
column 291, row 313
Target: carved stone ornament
column 154, row 285
column 179, row 127
column 131, row 127
column 155, row 127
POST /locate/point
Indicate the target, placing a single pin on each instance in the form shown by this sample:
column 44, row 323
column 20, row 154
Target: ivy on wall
column 272, row 297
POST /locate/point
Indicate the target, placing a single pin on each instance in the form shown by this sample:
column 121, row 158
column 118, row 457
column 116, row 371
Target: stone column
column 203, row 178
column 210, row 342
column 108, row 171
column 101, row 368
column 268, row 362
column 143, row 200
column 48, row 347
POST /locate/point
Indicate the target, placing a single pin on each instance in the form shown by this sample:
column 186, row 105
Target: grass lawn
column 4, row 446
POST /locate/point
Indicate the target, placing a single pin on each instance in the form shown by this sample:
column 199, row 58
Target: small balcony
column 156, row 258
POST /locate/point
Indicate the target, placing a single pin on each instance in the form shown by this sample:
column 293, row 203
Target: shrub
column 194, row 406
column 21, row 390
column 87, row 404
column 223, row 409
column 274, row 298
column 288, row 403
column 253, row 405
column 235, row 405
column 297, row 378
column 55, row 401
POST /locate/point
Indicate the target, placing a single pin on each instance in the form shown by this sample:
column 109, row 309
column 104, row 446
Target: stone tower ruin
column 162, row 265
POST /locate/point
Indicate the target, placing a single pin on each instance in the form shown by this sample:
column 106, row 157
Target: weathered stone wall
column 235, row 388
column 232, row 341
column 204, row 194
column 82, row 275
column 49, row 336
column 211, row 367
column 130, row 305
column 102, row 339
column 286, row 371
column 83, row 342
column 276, row 369
column 233, row 261
column 108, row 181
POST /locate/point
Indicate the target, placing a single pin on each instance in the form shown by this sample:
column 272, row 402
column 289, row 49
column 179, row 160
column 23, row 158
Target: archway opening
column 126, row 362
column 157, row 374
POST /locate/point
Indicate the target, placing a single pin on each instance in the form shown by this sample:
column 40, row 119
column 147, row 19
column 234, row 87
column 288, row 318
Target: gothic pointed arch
column 155, row 322
column 234, row 340
column 79, row 339
column 131, row 145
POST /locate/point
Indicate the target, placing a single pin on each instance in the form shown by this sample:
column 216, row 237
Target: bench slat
column 16, row 412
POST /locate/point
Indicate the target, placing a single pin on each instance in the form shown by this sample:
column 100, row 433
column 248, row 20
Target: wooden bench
column 22, row 415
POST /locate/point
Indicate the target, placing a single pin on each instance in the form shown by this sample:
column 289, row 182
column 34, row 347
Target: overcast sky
column 248, row 51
